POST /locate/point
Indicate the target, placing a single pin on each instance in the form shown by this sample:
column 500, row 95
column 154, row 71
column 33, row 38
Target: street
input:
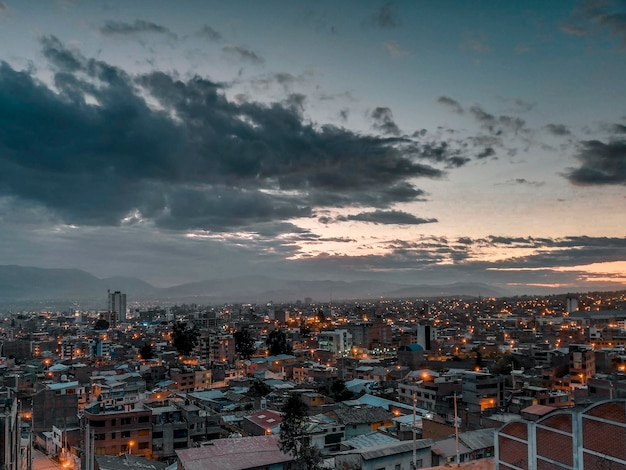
column 42, row 462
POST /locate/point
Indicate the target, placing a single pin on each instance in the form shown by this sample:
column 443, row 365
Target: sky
column 419, row 142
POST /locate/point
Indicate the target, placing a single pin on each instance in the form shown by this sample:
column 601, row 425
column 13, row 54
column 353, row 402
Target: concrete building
column 582, row 363
column 591, row 439
column 117, row 307
column 338, row 342
column 121, row 429
column 426, row 336
column 56, row 405
column 245, row 453
column 482, row 390
column 397, row 455
column 10, row 432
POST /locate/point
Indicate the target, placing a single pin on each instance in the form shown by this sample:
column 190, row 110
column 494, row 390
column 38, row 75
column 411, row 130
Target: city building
column 116, row 307
column 56, row 404
column 10, row 431
column 118, row 429
column 590, row 439
column 482, row 390
column 244, row 453
column 339, row 342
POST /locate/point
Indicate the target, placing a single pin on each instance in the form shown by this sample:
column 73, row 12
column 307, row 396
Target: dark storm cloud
column 485, row 153
column 383, row 121
column 121, row 28
column 207, row 32
column 601, row 163
column 387, row 17
column 497, row 125
column 244, row 54
column 295, row 102
column 391, row 217
column 557, row 129
column 451, row 104
column 195, row 161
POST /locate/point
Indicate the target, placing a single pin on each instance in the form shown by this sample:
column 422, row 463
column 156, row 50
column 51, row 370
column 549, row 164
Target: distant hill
column 21, row 285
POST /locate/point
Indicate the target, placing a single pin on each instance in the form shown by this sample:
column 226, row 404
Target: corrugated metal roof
column 234, row 454
column 479, row 439
column 62, row 385
column 392, row 449
column 370, row 440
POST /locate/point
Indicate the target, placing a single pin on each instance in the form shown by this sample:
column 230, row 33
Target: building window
column 125, row 433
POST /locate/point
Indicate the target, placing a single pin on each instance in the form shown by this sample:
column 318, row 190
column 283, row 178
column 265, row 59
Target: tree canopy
column 146, row 352
column 277, row 343
column 244, row 343
column 184, row 338
column 293, row 439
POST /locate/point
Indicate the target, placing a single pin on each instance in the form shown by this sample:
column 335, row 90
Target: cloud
column 207, row 32
column 387, row 17
column 485, row 153
column 121, row 28
column 244, row 54
column 109, row 148
column 475, row 42
column 451, row 104
column 598, row 16
column 497, row 125
column 525, row 182
column 395, row 50
column 557, row 129
column 383, row 121
column 574, row 30
column 4, row 9
column 601, row 163
column 392, row 217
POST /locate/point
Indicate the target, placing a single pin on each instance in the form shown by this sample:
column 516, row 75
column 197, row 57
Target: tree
column 101, row 324
column 293, row 440
column 260, row 389
column 277, row 343
column 146, row 352
column 184, row 338
column 244, row 343
column 339, row 391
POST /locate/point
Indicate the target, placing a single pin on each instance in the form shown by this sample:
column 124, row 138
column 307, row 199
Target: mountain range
column 38, row 286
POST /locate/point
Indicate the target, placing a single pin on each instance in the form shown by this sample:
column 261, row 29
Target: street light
column 130, row 447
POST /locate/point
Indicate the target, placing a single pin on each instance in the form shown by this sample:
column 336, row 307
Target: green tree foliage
column 101, row 325
column 184, row 338
column 277, row 343
column 293, row 439
column 508, row 362
column 146, row 352
column 244, row 343
column 339, row 392
column 260, row 389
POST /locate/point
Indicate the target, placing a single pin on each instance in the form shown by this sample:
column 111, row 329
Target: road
column 42, row 462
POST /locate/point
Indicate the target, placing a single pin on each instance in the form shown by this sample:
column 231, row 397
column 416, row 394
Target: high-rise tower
column 117, row 306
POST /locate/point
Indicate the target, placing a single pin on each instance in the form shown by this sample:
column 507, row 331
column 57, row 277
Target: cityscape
column 386, row 383
column 305, row 235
